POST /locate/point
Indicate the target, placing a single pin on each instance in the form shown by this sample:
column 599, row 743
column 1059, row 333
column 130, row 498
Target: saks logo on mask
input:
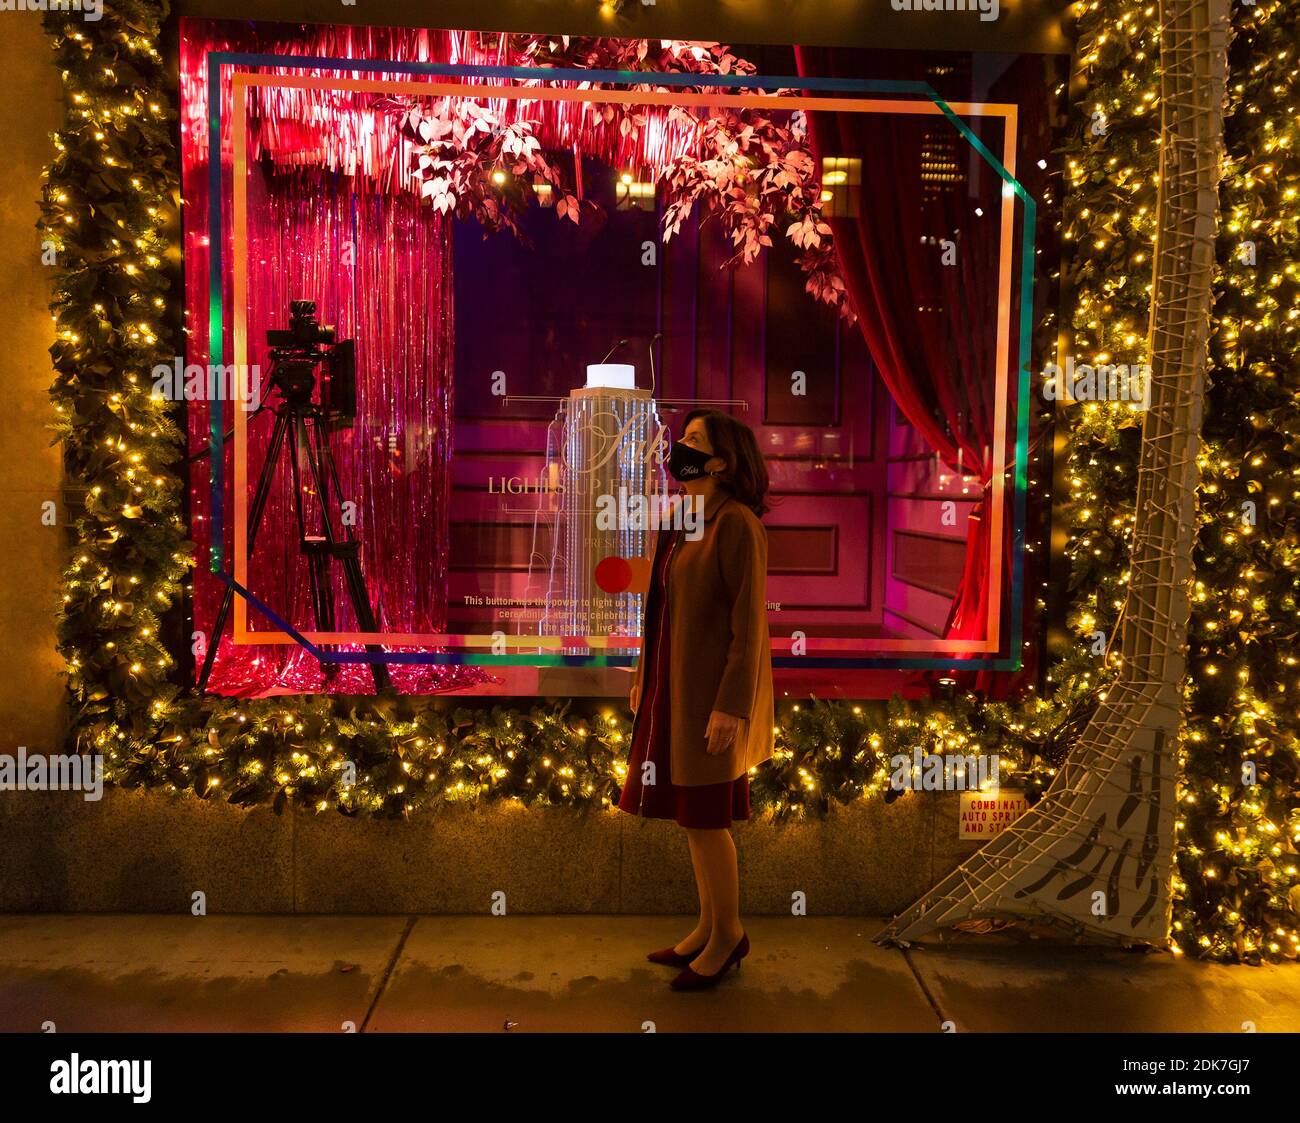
column 685, row 462
column 988, row 9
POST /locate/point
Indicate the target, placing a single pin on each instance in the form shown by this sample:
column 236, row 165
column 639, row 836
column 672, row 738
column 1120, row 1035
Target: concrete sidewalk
column 93, row 972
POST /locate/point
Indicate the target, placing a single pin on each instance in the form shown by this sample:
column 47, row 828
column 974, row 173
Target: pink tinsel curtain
column 379, row 267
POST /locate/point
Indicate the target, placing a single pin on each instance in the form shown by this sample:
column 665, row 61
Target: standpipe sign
column 984, row 814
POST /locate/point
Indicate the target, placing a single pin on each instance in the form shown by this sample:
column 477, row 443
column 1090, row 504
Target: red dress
column 702, row 806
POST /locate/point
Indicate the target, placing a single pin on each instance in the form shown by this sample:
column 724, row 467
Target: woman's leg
column 699, row 935
column 716, row 853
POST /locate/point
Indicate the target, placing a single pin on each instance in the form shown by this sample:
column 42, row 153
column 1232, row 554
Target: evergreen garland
column 108, row 212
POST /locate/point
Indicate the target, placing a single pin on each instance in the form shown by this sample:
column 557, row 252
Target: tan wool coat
column 720, row 650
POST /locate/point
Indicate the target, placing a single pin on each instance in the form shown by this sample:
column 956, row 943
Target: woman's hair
column 745, row 474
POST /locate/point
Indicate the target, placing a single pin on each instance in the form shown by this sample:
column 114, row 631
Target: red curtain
column 930, row 325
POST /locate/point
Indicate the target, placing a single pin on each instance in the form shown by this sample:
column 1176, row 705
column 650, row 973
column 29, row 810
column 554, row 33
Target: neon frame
column 933, row 104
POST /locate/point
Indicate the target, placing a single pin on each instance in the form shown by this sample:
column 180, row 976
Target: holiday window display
column 889, row 552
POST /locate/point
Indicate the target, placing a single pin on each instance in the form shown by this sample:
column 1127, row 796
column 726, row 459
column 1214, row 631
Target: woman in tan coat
column 703, row 688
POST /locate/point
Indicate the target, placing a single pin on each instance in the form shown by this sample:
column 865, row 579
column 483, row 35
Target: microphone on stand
column 619, row 344
column 651, row 348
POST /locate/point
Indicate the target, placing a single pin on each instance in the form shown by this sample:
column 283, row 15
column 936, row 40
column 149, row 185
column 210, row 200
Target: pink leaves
column 438, row 192
column 753, row 171
column 468, row 162
column 749, row 229
column 824, row 282
column 568, row 207
column 750, row 168
column 518, row 143
column 797, row 164
column 807, row 232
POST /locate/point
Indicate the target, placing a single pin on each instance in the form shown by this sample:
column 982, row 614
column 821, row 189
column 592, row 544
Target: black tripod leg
column 327, row 472
column 319, row 459
column 210, row 655
column 366, row 618
column 260, row 497
column 298, row 439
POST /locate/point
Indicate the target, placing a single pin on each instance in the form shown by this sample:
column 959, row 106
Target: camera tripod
column 300, row 429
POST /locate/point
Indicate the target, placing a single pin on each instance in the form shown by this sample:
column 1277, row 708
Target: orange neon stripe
column 241, row 82
column 240, row 324
column 993, row 631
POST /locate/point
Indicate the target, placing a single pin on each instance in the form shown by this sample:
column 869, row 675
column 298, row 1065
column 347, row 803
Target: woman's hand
column 722, row 731
column 634, row 699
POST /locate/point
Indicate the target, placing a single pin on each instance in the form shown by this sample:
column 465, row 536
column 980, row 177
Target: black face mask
column 686, row 463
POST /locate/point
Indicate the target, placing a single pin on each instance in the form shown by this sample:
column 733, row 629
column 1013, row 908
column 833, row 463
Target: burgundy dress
column 702, row 806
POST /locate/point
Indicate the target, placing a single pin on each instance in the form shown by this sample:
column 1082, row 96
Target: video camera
column 297, row 351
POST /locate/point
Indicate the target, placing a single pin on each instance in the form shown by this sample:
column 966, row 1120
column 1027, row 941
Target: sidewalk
column 561, row 973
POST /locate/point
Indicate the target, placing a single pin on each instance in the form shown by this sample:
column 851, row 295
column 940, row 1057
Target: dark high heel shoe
column 670, row 957
column 692, row 980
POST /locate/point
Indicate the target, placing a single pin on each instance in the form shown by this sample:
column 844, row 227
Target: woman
column 702, row 695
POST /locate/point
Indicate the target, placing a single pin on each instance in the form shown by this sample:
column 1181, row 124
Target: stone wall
column 138, row 851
